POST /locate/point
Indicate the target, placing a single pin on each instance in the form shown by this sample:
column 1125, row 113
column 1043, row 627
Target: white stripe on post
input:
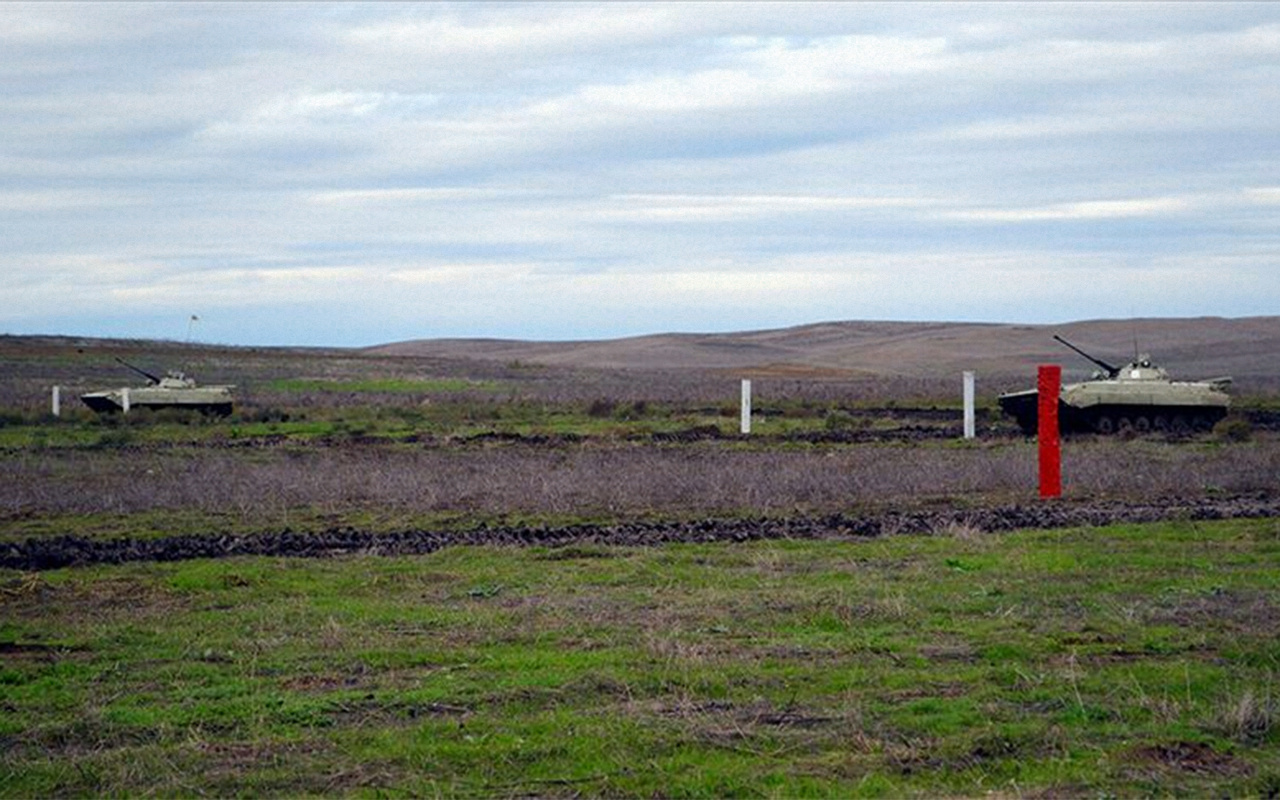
column 746, row 406
column 57, row 402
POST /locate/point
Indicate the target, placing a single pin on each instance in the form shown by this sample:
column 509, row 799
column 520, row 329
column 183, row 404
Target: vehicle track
column 42, row 553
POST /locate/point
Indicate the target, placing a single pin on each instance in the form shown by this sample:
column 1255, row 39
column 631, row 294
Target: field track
column 41, row 553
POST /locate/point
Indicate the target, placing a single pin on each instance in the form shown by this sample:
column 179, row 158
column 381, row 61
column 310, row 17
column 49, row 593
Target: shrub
column 409, row 415
column 1233, row 429
column 838, row 421
column 267, row 414
column 631, row 411
column 117, row 437
column 601, row 408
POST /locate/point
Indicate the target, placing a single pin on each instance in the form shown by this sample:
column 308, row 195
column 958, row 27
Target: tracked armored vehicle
column 1137, row 397
column 174, row 390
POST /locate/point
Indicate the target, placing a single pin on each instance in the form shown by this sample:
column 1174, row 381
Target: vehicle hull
column 1115, row 416
column 210, row 400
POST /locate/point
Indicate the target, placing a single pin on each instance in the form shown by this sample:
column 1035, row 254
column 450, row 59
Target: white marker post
column 969, row 426
column 746, row 406
column 57, row 404
column 124, row 396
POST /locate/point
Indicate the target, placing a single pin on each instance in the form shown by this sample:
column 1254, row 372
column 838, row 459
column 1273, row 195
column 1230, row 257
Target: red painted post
column 1049, row 387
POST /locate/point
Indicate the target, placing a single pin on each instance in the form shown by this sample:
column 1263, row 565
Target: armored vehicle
column 174, row 390
column 1137, row 397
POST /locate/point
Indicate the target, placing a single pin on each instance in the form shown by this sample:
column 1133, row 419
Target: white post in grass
column 969, row 425
column 124, row 397
column 746, row 406
column 57, row 405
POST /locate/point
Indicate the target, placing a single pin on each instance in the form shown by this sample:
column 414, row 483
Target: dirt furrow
column 42, row 553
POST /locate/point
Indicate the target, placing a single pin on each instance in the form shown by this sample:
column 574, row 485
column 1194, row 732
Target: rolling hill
column 1188, row 348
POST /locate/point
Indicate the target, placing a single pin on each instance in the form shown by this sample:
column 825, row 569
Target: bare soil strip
column 66, row 551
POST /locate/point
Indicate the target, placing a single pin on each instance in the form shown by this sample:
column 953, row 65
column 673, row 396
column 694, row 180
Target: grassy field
column 940, row 659
column 1130, row 660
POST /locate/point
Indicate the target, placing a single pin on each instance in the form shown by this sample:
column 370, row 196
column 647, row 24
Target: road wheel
column 1105, row 425
column 1200, row 423
column 1141, row 424
column 1180, row 424
column 1124, row 425
column 1161, row 423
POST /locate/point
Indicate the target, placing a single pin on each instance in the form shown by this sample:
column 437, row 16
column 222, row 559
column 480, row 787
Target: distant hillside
column 1188, row 348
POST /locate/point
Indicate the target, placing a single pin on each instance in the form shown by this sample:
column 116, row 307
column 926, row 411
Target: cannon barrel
column 1112, row 371
column 138, row 370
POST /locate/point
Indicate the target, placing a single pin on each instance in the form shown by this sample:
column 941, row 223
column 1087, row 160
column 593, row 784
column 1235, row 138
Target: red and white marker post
column 1048, row 388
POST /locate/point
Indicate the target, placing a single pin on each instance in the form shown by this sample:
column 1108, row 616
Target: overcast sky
column 334, row 174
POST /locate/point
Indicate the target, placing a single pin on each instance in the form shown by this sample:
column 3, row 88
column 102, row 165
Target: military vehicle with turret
column 174, row 390
column 1137, row 397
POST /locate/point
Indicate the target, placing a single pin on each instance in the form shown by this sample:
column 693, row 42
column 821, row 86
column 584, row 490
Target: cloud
column 702, row 208
column 513, row 32
column 45, row 200
column 566, row 169
column 769, row 73
column 1264, row 195
column 407, row 195
column 1088, row 210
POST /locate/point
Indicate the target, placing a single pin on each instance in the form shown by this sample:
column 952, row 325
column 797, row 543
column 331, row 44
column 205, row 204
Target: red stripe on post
column 1049, row 387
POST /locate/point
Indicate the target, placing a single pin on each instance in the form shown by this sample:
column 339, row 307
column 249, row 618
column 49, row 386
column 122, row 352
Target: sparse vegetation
column 945, row 650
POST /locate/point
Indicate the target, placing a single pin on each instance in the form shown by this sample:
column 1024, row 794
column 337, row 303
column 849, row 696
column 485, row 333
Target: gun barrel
column 138, row 370
column 1111, row 370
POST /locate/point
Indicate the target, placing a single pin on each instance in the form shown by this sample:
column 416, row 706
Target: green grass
column 459, row 421
column 1131, row 660
column 438, row 416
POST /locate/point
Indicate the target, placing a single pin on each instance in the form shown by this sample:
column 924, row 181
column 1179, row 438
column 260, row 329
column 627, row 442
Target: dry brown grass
column 614, row 480
column 1247, row 716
